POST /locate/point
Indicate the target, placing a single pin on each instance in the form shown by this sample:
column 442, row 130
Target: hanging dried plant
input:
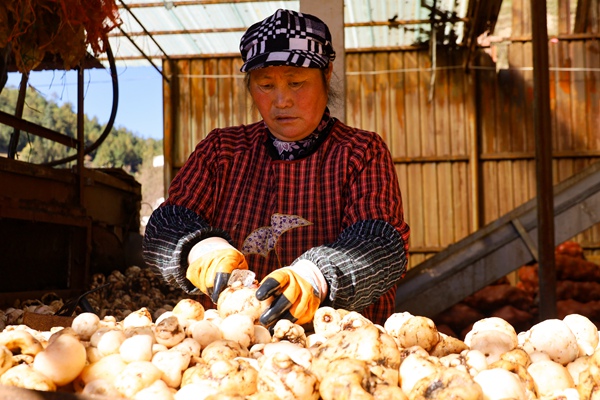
column 33, row 28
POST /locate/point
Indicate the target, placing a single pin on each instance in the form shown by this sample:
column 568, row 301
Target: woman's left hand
column 296, row 297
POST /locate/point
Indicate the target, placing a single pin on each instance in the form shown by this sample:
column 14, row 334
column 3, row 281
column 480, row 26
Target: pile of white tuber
column 127, row 291
column 193, row 353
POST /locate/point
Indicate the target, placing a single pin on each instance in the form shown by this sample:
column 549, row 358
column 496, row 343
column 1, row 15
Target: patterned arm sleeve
column 368, row 258
column 170, row 234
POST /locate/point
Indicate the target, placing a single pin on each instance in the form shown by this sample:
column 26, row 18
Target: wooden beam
column 581, row 16
column 332, row 13
column 37, row 130
column 543, row 156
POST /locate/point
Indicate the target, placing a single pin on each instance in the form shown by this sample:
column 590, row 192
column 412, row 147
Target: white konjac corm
column 205, row 332
column 171, row 364
column 24, row 376
column 416, row 367
column 110, row 342
column 552, row 337
column 326, row 322
column 492, row 336
column 106, row 369
column 238, row 328
column 498, row 384
column 585, row 331
column 63, row 359
column 279, row 374
column 137, row 348
column 549, row 377
column 229, row 376
column 85, row 325
column 136, row 376
column 191, row 353
column 240, row 299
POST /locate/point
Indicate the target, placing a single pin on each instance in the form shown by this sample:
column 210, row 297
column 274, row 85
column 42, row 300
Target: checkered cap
column 287, row 38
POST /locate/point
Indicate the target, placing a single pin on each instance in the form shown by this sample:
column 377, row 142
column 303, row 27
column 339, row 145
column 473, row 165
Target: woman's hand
column 211, row 262
column 297, row 290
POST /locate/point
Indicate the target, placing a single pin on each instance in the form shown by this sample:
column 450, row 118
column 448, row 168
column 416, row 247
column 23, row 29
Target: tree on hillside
column 120, row 149
column 124, row 152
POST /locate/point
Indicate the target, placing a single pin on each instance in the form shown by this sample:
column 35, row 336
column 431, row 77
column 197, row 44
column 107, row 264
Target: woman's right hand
column 211, row 262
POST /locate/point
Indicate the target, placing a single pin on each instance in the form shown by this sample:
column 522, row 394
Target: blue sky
column 140, row 95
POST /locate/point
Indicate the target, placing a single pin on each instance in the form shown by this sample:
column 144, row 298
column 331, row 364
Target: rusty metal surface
column 45, row 322
column 110, row 196
column 53, row 237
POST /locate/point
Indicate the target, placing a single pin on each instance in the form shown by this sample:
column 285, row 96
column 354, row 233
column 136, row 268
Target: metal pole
column 543, row 154
column 80, row 132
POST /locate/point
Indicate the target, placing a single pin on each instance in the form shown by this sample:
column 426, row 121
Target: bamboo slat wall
column 462, row 139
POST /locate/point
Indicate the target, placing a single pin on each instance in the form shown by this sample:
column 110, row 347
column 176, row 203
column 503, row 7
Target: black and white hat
column 287, row 38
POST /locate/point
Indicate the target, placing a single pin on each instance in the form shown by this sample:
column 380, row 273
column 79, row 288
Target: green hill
column 121, row 149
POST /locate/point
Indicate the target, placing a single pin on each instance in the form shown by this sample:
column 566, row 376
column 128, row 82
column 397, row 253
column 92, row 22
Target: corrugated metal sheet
column 178, row 29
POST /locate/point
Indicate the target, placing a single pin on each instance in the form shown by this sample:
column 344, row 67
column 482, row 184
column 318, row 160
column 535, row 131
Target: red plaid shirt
column 339, row 207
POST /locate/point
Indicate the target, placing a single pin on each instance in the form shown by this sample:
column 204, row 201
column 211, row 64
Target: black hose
column 111, row 119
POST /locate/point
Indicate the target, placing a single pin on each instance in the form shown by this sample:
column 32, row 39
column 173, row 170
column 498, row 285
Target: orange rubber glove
column 211, row 262
column 297, row 290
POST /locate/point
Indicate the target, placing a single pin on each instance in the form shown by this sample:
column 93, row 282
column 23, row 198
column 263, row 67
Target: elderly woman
column 309, row 204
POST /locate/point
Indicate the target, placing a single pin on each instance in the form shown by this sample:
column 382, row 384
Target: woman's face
column 291, row 100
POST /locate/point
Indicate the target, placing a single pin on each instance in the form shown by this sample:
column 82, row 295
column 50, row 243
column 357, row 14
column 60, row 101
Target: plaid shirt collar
column 288, row 151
